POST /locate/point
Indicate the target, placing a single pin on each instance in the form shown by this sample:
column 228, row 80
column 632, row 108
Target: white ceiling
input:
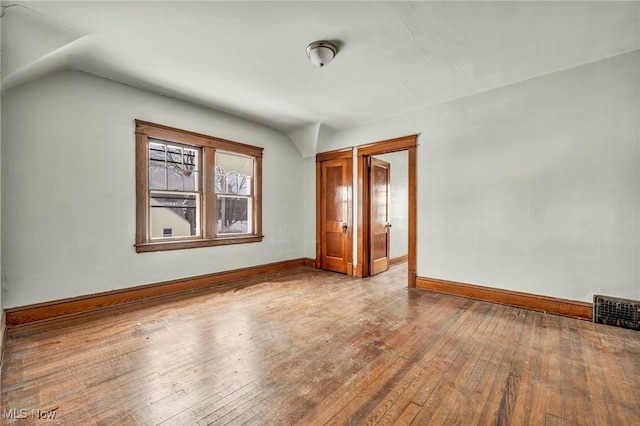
column 248, row 58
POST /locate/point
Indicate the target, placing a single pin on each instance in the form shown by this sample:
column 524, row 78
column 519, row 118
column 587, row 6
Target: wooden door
column 335, row 193
column 379, row 226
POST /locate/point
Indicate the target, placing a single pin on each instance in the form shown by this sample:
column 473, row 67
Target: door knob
column 344, row 227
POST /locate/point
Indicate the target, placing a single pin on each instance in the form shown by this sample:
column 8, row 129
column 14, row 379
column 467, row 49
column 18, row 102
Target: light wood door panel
column 379, row 226
column 336, row 179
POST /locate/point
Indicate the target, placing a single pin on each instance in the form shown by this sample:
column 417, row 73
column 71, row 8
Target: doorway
column 358, row 261
column 365, row 153
column 388, row 210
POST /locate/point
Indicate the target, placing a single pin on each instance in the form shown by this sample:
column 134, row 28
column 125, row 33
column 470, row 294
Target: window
column 233, row 193
column 195, row 190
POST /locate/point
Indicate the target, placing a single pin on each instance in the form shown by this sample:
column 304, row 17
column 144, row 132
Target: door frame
column 326, row 156
column 405, row 143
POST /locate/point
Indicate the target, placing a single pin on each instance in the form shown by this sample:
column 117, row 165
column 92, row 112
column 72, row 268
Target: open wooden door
column 379, row 226
column 335, row 210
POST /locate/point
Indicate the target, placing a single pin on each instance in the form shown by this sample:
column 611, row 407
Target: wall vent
column 616, row 311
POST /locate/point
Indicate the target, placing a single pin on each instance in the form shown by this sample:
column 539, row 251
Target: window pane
column 190, row 169
column 190, row 159
column 156, row 152
column 234, row 215
column 157, row 178
column 232, row 183
column 221, row 179
column 233, row 173
column 174, row 156
column 177, row 214
column 174, row 181
column 244, row 185
column 173, row 167
column 191, row 181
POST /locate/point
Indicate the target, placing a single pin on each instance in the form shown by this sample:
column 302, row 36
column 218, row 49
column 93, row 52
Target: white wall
column 398, row 201
column 532, row 187
column 69, row 188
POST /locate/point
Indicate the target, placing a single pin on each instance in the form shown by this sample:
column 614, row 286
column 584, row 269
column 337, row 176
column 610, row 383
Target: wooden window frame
column 208, row 146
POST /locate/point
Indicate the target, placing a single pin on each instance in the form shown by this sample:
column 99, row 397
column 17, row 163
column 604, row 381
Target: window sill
column 187, row 244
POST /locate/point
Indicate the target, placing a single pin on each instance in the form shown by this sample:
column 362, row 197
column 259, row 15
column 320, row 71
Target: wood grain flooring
column 311, row 347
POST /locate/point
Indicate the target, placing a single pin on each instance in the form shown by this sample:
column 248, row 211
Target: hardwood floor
column 311, row 347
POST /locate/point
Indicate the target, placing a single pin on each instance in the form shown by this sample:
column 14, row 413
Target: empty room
column 320, row 212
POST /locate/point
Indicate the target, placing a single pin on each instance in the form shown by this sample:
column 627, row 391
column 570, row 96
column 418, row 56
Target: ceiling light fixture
column 320, row 53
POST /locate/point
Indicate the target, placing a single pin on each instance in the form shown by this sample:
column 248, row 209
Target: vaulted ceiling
column 248, row 58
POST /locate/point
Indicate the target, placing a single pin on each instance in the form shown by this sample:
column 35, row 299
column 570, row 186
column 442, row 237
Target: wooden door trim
column 327, row 156
column 363, row 219
column 318, row 213
column 413, row 215
column 404, row 143
column 385, row 147
column 334, row 155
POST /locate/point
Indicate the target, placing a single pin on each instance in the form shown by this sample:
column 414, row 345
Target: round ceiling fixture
column 320, row 53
